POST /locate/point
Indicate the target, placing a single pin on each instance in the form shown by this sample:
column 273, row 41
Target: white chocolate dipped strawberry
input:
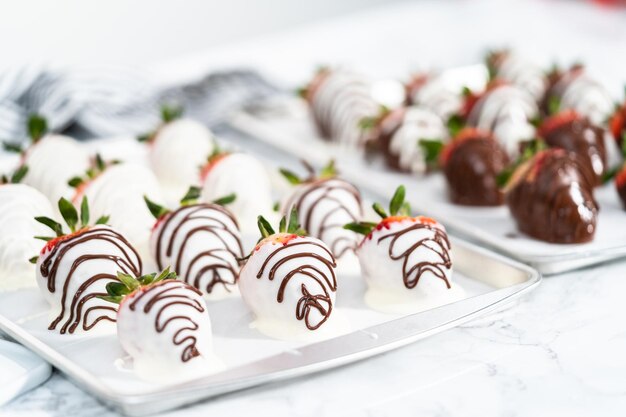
column 52, row 160
column 177, row 149
column 117, row 190
column 405, row 261
column 163, row 324
column 19, row 204
column 243, row 175
column 73, row 270
column 289, row 283
column 201, row 242
column 324, row 204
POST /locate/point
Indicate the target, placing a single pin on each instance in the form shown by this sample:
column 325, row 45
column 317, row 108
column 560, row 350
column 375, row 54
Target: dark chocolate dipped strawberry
column 575, row 133
column 551, row 198
column 471, row 163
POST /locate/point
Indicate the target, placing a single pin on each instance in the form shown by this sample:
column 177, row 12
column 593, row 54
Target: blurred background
column 152, row 45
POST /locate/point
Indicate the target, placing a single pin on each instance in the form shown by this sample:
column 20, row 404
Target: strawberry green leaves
column 155, row 209
column 72, row 218
column 171, row 112
column 37, row 127
column 116, row 291
column 431, row 148
column 288, row 224
column 397, row 207
column 98, row 166
column 17, row 176
column 531, row 148
column 226, row 200
column 191, row 197
column 327, row 172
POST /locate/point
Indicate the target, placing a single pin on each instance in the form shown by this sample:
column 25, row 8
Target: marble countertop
column 558, row 352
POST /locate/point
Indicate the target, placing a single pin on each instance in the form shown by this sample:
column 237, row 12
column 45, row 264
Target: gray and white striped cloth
column 106, row 101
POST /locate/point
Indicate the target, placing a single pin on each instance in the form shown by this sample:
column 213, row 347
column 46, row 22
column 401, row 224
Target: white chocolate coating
column 166, row 329
column 245, row 176
column 407, row 267
column 506, row 111
column 52, row 162
column 76, row 271
column 523, row 74
column 577, row 91
column 419, row 123
column 324, row 207
column 340, row 102
column 439, row 96
column 118, row 192
column 201, row 243
column 290, row 287
column 178, row 152
column 19, row 205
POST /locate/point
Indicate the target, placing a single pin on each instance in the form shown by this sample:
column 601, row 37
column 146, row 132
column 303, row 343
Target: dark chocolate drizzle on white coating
column 215, row 263
column 333, row 218
column 129, row 262
column 318, row 270
column 184, row 334
column 437, row 243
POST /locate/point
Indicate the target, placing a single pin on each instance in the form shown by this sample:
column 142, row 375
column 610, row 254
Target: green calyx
column 397, row 207
column 16, row 177
column 128, row 284
column 37, row 127
column 531, row 148
column 74, row 219
column 371, row 122
column 288, row 224
column 98, row 166
column 455, row 124
column 169, row 113
column 432, row 149
column 554, row 105
column 156, row 210
column 327, row 172
column 193, row 194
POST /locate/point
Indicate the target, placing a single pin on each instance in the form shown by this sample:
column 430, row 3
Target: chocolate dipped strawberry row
column 471, row 163
column 339, row 100
column 551, row 198
column 289, row 282
column 176, row 149
column 74, row 268
column 19, row 204
column 405, row 260
column 574, row 89
column 410, row 137
column 201, row 242
column 163, row 324
column 573, row 132
column 324, row 204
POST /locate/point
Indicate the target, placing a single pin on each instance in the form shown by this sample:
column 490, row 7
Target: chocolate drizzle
column 471, row 170
column 319, row 273
column 414, row 266
column 215, row 262
column 551, row 198
column 168, row 294
column 323, row 211
column 83, row 302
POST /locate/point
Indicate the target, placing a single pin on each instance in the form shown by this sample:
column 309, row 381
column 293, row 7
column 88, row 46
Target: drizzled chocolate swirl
column 209, row 265
column 163, row 296
column 317, row 271
column 324, row 207
column 431, row 239
column 83, row 306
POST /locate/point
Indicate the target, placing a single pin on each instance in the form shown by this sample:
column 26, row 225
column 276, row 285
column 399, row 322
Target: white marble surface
column 559, row 352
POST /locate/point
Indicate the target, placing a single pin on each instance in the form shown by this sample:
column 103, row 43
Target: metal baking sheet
column 490, row 280
column 285, row 124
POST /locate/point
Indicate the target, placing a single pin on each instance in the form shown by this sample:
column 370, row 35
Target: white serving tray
column 286, row 124
column 98, row 365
